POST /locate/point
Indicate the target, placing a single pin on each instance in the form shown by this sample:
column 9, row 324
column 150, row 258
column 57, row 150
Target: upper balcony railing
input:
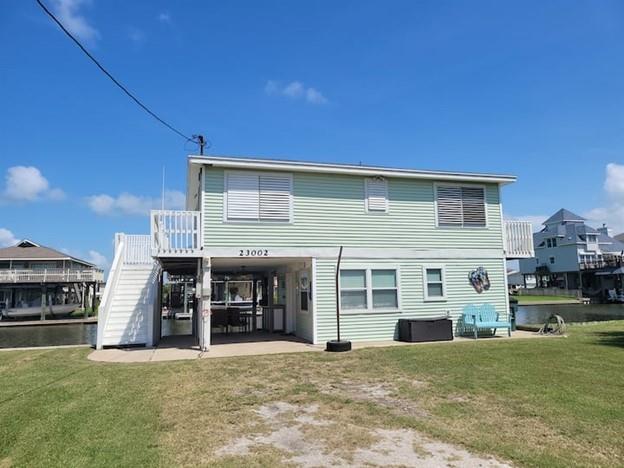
column 51, row 275
column 518, row 239
column 611, row 261
column 175, row 233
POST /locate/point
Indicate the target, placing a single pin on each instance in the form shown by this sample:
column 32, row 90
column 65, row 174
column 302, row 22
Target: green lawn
column 527, row 300
column 534, row 402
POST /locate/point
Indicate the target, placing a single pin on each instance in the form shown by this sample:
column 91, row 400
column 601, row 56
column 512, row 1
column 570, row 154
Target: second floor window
column 258, row 197
column 460, row 206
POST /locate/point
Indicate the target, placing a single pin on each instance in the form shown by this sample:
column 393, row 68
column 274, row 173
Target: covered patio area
column 184, row 347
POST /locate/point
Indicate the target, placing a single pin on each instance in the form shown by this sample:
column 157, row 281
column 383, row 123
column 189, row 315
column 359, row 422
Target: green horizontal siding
column 382, row 326
column 329, row 210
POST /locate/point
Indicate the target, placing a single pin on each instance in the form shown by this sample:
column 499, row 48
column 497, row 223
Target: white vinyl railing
column 111, row 284
column 518, row 239
column 175, row 233
column 137, row 251
column 51, row 275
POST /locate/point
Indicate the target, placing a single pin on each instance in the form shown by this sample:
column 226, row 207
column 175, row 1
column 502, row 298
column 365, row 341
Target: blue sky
column 531, row 88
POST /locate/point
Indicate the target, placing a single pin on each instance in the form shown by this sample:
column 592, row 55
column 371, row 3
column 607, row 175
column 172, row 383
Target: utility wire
column 194, row 138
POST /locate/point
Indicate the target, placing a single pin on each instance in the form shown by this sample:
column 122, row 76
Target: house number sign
column 253, row 253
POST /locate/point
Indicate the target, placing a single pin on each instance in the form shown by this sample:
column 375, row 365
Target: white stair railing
column 137, row 251
column 111, row 285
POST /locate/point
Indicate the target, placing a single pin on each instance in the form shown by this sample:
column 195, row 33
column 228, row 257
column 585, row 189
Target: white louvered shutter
column 449, row 203
column 473, row 206
column 376, row 194
column 243, row 197
column 275, row 193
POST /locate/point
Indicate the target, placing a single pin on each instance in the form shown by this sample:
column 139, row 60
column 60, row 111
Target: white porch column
column 204, row 319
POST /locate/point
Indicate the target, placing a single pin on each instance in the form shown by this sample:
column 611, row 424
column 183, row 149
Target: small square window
column 434, row 288
column 552, row 260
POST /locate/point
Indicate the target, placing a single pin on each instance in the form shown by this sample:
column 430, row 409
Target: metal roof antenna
column 201, row 141
column 162, row 192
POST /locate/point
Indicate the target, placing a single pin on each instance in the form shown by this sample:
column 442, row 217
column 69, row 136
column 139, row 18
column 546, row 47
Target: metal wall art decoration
column 479, row 279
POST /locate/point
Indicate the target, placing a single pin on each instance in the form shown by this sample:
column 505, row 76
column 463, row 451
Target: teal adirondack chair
column 483, row 316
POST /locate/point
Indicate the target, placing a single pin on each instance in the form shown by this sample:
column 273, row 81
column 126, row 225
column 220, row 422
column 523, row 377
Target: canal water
column 538, row 314
column 72, row 334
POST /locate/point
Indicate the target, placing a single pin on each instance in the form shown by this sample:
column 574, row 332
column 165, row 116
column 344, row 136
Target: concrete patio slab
column 183, row 348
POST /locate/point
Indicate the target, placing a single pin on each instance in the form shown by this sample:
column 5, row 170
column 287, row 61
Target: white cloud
column 98, row 259
column 26, row 183
column 612, row 214
column 315, row 97
column 136, row 35
column 7, row 239
column 68, row 13
column 101, row 204
column 129, row 204
column 92, row 256
column 164, row 17
column 295, row 90
column 614, row 181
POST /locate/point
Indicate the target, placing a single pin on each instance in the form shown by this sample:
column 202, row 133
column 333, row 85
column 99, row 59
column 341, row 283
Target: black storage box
column 426, row 329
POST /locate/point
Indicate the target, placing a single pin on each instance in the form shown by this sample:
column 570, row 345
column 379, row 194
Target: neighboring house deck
column 38, row 280
column 260, row 237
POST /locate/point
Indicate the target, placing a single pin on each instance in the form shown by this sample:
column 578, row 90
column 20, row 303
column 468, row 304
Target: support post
column 204, row 323
column 185, row 288
column 43, row 302
column 93, row 299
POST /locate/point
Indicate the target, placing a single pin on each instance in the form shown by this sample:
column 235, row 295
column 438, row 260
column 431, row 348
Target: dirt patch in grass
column 379, row 393
column 293, row 432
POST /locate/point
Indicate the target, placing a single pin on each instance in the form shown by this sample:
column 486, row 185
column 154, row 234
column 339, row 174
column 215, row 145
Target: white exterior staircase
column 130, row 301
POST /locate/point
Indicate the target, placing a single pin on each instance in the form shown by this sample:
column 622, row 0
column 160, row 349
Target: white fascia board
column 298, row 166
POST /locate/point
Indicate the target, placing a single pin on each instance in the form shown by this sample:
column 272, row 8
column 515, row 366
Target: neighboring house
column 569, row 254
column 517, row 280
column 261, row 239
column 40, row 281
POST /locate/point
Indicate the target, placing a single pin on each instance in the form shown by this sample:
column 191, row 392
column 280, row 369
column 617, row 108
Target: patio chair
column 219, row 319
column 236, row 319
column 484, row 316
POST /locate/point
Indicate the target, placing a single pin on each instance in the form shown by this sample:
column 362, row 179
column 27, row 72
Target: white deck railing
column 175, row 233
column 51, row 275
column 518, row 239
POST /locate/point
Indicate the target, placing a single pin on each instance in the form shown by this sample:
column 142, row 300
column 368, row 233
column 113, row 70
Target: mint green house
column 258, row 246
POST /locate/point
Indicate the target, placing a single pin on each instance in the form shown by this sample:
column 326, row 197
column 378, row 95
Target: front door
column 303, row 299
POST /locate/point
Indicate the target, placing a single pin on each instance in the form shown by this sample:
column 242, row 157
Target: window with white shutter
column 275, row 197
column 460, row 206
column 377, row 194
column 258, row 197
column 243, row 197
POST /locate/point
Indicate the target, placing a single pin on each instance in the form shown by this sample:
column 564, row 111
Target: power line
column 199, row 139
